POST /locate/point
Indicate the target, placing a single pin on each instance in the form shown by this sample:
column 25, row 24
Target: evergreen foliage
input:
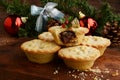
column 69, row 7
column 16, row 7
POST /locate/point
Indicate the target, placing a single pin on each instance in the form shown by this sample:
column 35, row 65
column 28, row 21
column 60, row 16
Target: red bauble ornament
column 12, row 23
column 89, row 23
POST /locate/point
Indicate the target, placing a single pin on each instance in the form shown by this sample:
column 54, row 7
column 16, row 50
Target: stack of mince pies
column 72, row 46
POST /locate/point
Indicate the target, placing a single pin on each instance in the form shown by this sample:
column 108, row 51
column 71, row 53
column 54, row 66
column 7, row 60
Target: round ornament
column 89, row 23
column 12, row 23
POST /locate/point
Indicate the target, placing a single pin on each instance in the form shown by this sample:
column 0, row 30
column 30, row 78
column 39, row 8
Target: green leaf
column 62, row 20
column 70, row 18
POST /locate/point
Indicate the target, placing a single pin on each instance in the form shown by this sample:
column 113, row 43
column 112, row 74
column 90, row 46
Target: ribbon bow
column 44, row 13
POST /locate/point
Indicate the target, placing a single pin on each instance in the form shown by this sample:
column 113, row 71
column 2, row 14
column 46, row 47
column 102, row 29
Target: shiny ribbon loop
column 49, row 10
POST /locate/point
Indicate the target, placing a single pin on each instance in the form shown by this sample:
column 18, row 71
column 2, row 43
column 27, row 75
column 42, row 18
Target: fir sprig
column 68, row 7
column 86, row 8
column 3, row 3
column 72, row 7
column 106, row 14
column 16, row 7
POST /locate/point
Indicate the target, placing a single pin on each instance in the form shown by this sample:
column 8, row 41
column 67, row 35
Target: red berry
column 66, row 22
column 63, row 25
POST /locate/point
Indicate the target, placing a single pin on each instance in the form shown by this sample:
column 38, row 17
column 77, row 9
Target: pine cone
column 112, row 32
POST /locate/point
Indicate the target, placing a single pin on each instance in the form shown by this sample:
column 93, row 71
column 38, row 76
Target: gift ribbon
column 49, row 10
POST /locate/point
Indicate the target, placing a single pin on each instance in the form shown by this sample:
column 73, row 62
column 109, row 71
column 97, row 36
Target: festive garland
column 102, row 16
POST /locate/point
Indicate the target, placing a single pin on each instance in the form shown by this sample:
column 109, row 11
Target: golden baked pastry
column 97, row 42
column 46, row 36
column 68, row 36
column 40, row 51
column 79, row 57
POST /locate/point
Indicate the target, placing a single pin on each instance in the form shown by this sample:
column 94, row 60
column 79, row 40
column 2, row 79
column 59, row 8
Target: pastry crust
column 79, row 53
column 97, row 42
column 40, row 51
column 79, row 57
column 79, row 33
column 46, row 36
column 39, row 46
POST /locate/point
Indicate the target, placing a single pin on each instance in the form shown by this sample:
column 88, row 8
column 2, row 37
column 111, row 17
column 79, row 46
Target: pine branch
column 4, row 4
column 69, row 7
column 72, row 7
column 106, row 15
column 86, row 8
column 22, row 9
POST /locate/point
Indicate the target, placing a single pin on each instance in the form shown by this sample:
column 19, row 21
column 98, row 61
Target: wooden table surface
column 14, row 65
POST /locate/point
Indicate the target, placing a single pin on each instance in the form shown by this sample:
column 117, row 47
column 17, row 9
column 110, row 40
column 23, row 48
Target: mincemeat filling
column 67, row 36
